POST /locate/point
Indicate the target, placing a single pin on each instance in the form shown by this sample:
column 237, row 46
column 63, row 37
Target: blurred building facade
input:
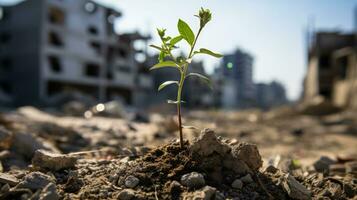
column 53, row 50
column 234, row 79
column 270, row 95
column 196, row 94
column 332, row 69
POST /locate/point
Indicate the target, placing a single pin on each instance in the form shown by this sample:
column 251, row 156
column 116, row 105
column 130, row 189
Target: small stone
column 131, row 181
column 237, row 184
column 126, row 194
column 5, row 138
column 53, row 161
column 294, row 189
column 35, row 180
column 8, row 179
column 322, row 165
column 247, row 179
column 193, row 180
column 49, row 193
column 209, row 192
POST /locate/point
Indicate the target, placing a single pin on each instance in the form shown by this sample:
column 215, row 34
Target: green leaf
column 161, row 56
column 164, row 84
column 209, row 52
column 175, row 40
column 204, row 78
column 186, row 32
column 156, row 47
column 163, row 64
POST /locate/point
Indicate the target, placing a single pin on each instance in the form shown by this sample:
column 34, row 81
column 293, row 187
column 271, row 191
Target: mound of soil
column 209, row 168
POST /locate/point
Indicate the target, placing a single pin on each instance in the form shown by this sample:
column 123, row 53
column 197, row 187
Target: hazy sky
column 272, row 31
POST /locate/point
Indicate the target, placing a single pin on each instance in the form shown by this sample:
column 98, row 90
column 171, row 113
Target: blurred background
column 276, row 53
column 75, row 75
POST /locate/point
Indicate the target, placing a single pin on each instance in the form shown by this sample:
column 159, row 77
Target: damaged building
column 332, row 69
column 53, row 51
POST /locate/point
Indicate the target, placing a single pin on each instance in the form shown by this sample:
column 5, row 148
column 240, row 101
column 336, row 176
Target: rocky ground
column 281, row 154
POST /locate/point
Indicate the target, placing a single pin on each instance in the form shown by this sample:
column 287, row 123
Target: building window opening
column 6, row 65
column 122, row 53
column 93, row 30
column 324, row 62
column 56, row 16
column 92, row 70
column 342, row 64
column 5, row 38
column 55, row 64
column 6, row 88
column 54, row 39
column 96, row 46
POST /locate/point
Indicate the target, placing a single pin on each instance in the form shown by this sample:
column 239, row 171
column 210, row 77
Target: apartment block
column 55, row 50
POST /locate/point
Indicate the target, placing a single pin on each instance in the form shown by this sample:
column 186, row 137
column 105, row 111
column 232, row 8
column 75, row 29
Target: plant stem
column 182, row 80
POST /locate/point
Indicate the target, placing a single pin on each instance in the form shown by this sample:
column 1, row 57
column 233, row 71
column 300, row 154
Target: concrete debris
column 49, row 193
column 193, row 180
column 237, row 184
column 8, row 179
column 322, row 165
column 249, row 154
column 35, row 180
column 53, row 161
column 207, row 143
column 294, row 189
column 247, row 179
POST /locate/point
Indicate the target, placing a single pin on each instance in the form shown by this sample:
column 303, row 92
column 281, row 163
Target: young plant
column 181, row 63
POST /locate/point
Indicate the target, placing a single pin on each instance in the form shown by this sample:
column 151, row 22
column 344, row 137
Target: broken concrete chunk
column 322, row 165
column 8, row 179
column 249, row 154
column 237, row 184
column 5, row 138
column 193, row 180
column 35, row 180
column 53, row 161
column 49, row 193
column 247, row 179
column 207, row 143
column 294, row 189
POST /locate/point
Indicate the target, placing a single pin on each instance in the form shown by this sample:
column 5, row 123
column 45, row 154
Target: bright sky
column 272, row 31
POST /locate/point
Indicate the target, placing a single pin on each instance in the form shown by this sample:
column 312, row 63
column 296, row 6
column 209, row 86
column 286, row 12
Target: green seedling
column 181, row 63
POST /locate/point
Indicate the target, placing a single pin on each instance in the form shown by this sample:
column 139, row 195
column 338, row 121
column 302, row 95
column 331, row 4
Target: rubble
column 49, row 193
column 294, row 189
column 35, row 180
column 131, row 181
column 193, row 180
column 237, row 184
column 322, row 165
column 53, row 161
column 8, row 179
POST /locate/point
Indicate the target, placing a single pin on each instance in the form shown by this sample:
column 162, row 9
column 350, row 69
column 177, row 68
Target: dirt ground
column 298, row 156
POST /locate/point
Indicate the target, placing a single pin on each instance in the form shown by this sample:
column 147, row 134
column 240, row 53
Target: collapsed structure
column 52, row 51
column 332, row 69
